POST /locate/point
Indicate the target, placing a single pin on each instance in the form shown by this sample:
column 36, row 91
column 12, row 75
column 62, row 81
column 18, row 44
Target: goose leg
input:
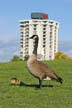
column 40, row 83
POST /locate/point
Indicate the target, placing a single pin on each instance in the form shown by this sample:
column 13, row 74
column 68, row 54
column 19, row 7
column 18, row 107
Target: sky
column 11, row 11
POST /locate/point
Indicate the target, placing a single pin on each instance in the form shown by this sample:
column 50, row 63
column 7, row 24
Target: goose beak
column 32, row 36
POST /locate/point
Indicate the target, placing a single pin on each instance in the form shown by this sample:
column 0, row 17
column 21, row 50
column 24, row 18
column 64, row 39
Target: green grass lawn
column 27, row 95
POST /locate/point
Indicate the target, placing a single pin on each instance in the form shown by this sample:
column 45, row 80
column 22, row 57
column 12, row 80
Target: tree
column 15, row 58
column 26, row 57
column 61, row 55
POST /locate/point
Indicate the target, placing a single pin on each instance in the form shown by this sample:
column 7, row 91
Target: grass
column 28, row 96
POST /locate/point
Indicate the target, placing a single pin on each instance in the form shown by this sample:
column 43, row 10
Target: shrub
column 26, row 57
column 61, row 55
column 16, row 58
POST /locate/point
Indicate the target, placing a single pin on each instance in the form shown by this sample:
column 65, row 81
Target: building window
column 44, row 32
column 34, row 28
column 27, row 29
column 21, row 42
column 44, row 25
column 22, row 22
column 21, row 46
column 22, row 26
column 45, row 21
column 50, row 56
column 44, row 36
column 21, row 31
column 21, row 37
column 26, row 22
column 44, row 46
column 44, row 28
column 44, row 39
column 50, row 46
column 50, row 33
column 51, row 22
column 35, row 25
column 56, row 24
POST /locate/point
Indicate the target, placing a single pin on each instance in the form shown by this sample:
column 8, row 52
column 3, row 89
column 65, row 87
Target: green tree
column 26, row 57
column 16, row 58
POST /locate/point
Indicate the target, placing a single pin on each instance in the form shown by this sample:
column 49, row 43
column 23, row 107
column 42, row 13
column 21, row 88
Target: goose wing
column 43, row 70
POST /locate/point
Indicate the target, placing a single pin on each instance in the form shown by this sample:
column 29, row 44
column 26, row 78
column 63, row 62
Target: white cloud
column 66, row 46
column 2, row 52
column 16, row 53
column 8, row 49
column 69, row 52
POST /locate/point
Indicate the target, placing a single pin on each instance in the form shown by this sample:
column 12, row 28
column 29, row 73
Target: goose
column 38, row 69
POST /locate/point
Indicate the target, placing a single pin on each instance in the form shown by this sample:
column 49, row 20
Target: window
column 50, row 46
column 27, row 36
column 51, row 22
column 27, row 32
column 45, row 21
column 44, row 36
column 44, row 25
column 21, row 32
column 50, row 33
column 44, row 28
column 44, row 42
column 50, row 56
column 21, row 25
column 27, row 29
column 26, row 22
column 44, row 39
column 21, row 39
column 21, row 52
column 21, row 42
column 44, row 32
column 35, row 25
column 56, row 24
column 50, row 42
column 51, row 26
column 21, row 35
column 21, row 46
column 34, row 28
column 43, row 45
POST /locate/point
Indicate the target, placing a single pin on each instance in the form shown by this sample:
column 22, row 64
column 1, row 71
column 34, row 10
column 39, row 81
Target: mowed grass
column 51, row 95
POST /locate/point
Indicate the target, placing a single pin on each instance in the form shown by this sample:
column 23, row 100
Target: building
column 46, row 29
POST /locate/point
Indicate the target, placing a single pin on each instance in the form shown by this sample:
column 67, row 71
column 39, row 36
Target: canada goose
column 39, row 69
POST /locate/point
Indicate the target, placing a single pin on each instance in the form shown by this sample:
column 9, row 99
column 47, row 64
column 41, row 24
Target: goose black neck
column 35, row 45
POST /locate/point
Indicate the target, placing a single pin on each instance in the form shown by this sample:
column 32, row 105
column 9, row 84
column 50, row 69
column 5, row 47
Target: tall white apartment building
column 46, row 29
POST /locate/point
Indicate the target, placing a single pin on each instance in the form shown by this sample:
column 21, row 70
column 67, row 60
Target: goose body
column 40, row 70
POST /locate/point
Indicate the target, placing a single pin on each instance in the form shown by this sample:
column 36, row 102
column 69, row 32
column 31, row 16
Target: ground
column 51, row 95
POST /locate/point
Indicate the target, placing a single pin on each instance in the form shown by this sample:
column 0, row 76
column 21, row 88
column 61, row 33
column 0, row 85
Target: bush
column 61, row 55
column 26, row 57
column 15, row 58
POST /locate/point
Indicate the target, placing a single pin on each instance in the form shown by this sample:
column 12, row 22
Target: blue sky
column 11, row 11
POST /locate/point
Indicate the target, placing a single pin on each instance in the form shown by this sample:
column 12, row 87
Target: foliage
column 61, row 55
column 16, row 58
column 52, row 94
column 26, row 57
